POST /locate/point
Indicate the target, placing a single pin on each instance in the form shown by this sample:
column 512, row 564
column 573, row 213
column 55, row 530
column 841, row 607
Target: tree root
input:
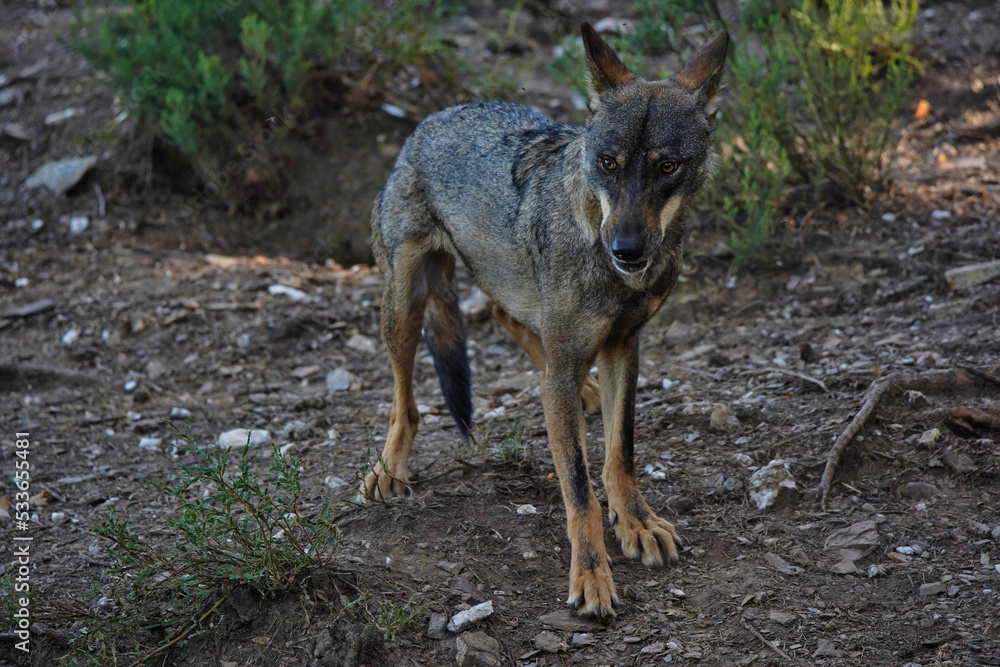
column 893, row 385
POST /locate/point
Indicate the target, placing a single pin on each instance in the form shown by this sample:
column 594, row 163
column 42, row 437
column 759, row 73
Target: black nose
column 627, row 248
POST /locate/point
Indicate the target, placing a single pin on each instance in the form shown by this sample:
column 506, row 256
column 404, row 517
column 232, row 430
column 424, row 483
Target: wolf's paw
column 591, row 395
column 592, row 589
column 380, row 485
column 643, row 535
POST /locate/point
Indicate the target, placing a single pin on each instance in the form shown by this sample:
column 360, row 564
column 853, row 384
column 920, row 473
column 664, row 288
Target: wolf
column 576, row 233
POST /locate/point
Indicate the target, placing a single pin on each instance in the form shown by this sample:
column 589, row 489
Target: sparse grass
column 389, row 617
column 235, row 528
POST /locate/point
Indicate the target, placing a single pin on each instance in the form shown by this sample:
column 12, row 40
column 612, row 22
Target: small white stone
column 334, row 482
column 290, row 292
column 70, row 337
column 464, row 620
column 130, row 385
column 527, row 509
column 150, row 444
column 495, row 414
column 237, row 437
column 58, row 517
column 79, row 223
column 941, row 215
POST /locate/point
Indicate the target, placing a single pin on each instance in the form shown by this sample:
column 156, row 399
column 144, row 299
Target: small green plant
column 512, row 449
column 390, row 617
column 235, row 528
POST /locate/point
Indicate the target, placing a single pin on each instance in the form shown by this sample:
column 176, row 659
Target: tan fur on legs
column 402, row 317
column 590, row 393
column 591, row 586
column 642, row 534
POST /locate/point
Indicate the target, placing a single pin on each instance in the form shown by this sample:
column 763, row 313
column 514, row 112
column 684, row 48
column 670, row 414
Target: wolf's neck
column 586, row 207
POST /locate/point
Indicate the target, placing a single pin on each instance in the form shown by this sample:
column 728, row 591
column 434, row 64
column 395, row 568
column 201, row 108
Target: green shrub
column 227, row 82
column 234, row 527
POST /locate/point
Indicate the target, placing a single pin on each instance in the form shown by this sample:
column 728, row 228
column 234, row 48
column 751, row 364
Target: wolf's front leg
column 591, row 586
column 642, row 534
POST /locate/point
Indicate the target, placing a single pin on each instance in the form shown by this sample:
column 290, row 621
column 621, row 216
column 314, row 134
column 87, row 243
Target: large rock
column 477, row 649
column 61, row 175
column 773, row 485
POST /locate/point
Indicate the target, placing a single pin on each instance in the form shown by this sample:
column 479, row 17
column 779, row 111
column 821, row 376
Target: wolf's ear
column 704, row 71
column 604, row 69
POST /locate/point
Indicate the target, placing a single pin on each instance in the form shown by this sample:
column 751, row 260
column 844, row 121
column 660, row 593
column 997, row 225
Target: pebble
column 527, row 509
column 772, row 484
column 179, row 413
column 303, row 372
column 130, row 385
column 70, row 337
column 907, row 551
column 61, row 175
column 583, row 639
column 656, row 647
column 340, row 380
column 361, row 343
column 917, row 490
column 548, row 641
column 59, row 116
column 464, row 620
column 295, row 430
column 150, row 444
column 935, row 588
column 237, row 437
column 451, row 568
column 290, row 292
column 781, row 565
column 333, row 482
column 875, row 570
column 78, row 224
column 723, row 420
column 437, row 625
column 58, row 518
column 941, row 215
column 930, row 436
column 477, row 649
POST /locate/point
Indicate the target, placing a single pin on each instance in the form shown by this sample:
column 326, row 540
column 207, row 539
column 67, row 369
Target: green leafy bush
column 234, row 528
column 812, row 114
column 227, row 82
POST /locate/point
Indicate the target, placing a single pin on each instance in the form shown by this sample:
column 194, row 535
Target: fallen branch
column 785, row 371
column 894, row 384
column 764, row 641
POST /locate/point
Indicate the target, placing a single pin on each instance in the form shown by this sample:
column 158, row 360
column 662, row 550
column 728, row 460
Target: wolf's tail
column 444, row 332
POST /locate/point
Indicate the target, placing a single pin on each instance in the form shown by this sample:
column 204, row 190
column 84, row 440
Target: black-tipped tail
column 444, row 332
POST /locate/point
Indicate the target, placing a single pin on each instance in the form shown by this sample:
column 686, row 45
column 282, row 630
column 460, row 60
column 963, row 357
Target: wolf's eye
column 668, row 167
column 609, row 164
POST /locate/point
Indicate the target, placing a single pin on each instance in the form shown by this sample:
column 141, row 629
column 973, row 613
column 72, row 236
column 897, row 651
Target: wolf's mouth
column 629, row 267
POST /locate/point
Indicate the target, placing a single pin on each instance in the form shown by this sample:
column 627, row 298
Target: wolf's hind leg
column 408, row 280
column 532, row 344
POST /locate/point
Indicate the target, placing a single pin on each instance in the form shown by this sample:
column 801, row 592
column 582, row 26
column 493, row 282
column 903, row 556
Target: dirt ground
column 128, row 327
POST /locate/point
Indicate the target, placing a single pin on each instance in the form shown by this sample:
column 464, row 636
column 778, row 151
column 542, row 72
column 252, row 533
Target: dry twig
column 766, row 643
column 896, row 383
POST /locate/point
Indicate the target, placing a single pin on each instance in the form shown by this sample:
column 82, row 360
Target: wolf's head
column 648, row 148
